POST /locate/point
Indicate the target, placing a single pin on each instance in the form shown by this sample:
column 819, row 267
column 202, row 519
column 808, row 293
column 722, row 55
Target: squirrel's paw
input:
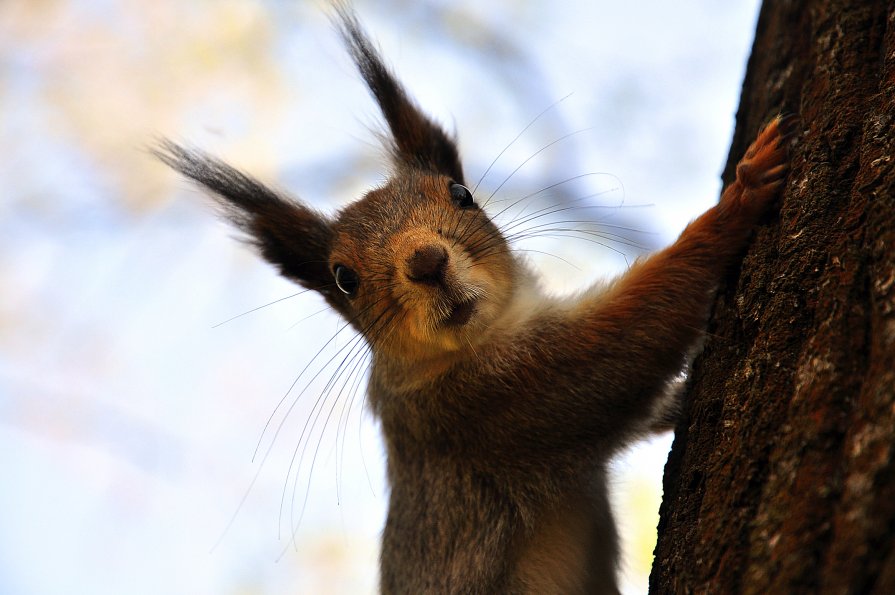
column 763, row 169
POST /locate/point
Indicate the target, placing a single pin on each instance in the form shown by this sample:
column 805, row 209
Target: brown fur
column 500, row 407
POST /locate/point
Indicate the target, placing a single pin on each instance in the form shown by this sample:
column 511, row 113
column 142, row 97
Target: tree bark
column 781, row 478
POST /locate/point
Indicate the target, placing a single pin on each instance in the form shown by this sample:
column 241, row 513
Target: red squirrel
column 500, row 405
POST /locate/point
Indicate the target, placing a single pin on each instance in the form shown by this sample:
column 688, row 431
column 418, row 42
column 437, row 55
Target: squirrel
column 500, row 405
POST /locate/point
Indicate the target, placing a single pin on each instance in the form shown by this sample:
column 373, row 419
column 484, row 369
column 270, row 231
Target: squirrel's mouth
column 460, row 313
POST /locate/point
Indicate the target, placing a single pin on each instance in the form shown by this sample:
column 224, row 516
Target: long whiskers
column 352, row 361
column 532, row 156
column 277, row 301
column 517, row 137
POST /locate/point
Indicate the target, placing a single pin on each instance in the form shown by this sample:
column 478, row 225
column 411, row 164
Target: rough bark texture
column 782, row 477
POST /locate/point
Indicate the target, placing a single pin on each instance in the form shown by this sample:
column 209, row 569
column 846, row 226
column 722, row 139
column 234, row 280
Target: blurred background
column 130, row 418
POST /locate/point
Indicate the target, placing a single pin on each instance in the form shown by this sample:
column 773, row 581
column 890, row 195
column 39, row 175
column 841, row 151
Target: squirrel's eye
column 346, row 279
column 462, row 197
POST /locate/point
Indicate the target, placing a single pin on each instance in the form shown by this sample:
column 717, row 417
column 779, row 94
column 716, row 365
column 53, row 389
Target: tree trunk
column 781, row 478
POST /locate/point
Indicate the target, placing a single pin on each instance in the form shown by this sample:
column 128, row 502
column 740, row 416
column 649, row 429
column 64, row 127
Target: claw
column 775, row 173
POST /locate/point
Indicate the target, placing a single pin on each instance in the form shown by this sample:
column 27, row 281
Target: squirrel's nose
column 427, row 264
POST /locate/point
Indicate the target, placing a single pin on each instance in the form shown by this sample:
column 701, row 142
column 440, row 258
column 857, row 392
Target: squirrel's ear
column 416, row 140
column 288, row 234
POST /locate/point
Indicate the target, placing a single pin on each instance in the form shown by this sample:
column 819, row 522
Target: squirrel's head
column 415, row 265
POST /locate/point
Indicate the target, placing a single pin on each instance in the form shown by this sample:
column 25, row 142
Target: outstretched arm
column 601, row 369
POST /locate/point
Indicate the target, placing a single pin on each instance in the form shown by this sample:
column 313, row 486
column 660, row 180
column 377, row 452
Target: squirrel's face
column 421, row 267
column 415, row 265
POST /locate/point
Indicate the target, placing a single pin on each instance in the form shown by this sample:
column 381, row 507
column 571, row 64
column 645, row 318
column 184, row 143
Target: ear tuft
column 288, row 234
column 417, row 140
